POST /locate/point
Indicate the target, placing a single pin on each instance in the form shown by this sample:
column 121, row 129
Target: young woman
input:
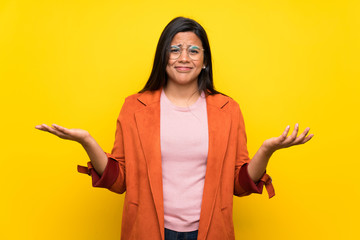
column 180, row 148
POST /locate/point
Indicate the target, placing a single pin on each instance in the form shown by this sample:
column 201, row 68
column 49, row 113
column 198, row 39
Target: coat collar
column 219, row 123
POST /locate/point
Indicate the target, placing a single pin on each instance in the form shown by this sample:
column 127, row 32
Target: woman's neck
column 182, row 95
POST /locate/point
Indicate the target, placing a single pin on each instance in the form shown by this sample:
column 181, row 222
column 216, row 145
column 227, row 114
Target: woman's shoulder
column 222, row 101
column 132, row 98
column 140, row 100
column 144, row 98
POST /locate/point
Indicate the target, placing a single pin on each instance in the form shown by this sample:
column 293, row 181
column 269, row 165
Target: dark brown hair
column 158, row 76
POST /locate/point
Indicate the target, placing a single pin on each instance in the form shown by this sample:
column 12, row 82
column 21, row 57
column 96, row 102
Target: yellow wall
column 73, row 62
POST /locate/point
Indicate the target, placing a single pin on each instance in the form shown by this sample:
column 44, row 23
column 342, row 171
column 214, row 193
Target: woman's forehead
column 186, row 38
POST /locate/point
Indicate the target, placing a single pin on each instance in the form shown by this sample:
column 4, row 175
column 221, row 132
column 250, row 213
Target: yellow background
column 73, row 62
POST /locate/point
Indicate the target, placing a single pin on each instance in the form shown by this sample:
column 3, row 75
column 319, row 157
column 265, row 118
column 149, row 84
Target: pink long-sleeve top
column 184, row 147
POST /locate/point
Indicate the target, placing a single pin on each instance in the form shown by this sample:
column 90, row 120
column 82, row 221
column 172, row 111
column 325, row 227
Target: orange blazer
column 137, row 155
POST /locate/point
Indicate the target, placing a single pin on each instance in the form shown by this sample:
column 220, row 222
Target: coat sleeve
column 113, row 177
column 243, row 184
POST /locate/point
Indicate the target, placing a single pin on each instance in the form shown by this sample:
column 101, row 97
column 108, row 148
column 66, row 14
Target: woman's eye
column 193, row 51
column 174, row 50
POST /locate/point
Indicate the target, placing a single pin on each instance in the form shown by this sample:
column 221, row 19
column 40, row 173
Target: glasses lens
column 194, row 52
column 175, row 52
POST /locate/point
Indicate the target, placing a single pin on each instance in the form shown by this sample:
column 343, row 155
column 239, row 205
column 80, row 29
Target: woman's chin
column 185, row 82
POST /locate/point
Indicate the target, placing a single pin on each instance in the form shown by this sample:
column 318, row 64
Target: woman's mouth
column 183, row 68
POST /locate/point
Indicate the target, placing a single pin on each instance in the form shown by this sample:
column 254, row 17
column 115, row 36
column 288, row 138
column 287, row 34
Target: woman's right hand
column 74, row 134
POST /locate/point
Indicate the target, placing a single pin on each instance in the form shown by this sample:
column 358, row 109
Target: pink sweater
column 184, row 148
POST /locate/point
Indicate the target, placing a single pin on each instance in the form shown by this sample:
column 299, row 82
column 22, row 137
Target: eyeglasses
column 194, row 52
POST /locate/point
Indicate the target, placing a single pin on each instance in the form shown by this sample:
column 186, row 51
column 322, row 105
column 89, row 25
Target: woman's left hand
column 284, row 141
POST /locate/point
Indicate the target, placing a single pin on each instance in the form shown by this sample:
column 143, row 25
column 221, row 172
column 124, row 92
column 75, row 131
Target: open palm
column 284, row 141
column 74, row 134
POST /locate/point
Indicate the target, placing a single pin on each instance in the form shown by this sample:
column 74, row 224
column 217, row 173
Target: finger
column 40, row 127
column 307, row 138
column 68, row 133
column 60, row 128
column 301, row 137
column 293, row 135
column 50, row 129
column 53, row 131
column 286, row 132
column 278, row 141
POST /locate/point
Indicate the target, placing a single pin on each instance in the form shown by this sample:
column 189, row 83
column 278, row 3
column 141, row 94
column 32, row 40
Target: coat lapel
column 148, row 124
column 219, row 123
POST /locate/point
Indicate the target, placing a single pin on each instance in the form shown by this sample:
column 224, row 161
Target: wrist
column 86, row 140
column 267, row 150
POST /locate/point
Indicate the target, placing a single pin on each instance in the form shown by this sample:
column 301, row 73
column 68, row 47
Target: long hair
column 158, row 76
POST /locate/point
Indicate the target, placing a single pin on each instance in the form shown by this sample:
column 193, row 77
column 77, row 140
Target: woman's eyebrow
column 194, row 46
column 189, row 46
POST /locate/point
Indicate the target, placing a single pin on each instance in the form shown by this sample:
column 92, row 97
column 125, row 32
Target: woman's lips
column 183, row 69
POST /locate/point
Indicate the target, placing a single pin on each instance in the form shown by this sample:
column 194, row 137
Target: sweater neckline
column 193, row 106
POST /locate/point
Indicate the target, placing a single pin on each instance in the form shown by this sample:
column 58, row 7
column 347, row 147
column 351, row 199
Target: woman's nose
column 184, row 56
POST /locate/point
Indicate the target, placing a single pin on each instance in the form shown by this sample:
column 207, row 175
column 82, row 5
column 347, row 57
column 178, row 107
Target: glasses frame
column 182, row 49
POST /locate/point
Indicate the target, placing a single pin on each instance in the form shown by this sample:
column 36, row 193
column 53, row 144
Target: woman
column 180, row 147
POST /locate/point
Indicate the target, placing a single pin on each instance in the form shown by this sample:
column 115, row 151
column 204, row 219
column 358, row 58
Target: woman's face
column 186, row 68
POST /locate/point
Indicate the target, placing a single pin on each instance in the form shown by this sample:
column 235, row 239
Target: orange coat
column 138, row 157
